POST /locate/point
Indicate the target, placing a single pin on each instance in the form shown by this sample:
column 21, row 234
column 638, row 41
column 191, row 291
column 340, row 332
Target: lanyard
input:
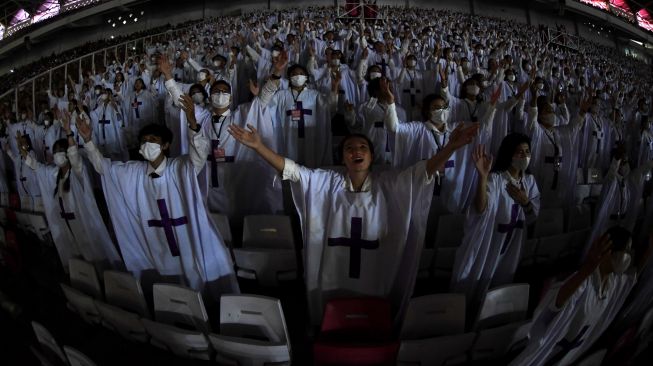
column 553, row 142
column 221, row 120
column 472, row 115
column 294, row 99
column 437, row 142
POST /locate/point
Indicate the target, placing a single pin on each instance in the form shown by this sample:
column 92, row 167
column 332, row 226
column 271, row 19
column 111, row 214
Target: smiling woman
column 363, row 230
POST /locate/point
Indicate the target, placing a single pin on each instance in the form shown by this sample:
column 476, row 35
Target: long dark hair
column 507, row 150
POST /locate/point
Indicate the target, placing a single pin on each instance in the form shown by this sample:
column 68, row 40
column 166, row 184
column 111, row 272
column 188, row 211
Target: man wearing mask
column 45, row 136
column 110, row 134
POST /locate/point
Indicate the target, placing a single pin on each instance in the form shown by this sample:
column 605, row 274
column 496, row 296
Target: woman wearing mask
column 411, row 88
column 74, row 219
column 507, row 201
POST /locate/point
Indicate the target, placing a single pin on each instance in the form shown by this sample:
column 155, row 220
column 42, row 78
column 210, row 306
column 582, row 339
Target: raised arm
column 198, row 142
column 460, row 137
column 252, row 139
column 85, row 130
column 483, row 163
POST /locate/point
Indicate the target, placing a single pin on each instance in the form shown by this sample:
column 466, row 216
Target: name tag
column 219, row 154
column 295, row 115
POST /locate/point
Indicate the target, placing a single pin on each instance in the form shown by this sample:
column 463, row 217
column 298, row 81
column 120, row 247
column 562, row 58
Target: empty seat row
column 49, row 352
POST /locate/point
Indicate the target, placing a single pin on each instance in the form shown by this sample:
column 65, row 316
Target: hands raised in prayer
column 250, row 138
column 482, row 160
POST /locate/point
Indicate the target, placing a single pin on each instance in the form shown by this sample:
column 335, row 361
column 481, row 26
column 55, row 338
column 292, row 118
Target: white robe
column 490, row 250
column 595, row 149
column 109, row 131
column 191, row 247
column 372, row 125
column 74, row 220
column 578, row 323
column 390, row 218
column 140, row 109
column 411, row 87
column 44, row 138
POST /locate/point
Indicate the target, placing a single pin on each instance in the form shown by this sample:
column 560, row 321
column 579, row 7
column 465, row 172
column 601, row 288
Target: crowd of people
column 430, row 112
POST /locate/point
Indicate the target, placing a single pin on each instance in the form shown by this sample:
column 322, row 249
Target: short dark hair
column 507, row 150
column 199, row 88
column 60, row 144
column 219, row 82
column 341, row 145
column 426, row 104
column 296, row 66
column 157, row 130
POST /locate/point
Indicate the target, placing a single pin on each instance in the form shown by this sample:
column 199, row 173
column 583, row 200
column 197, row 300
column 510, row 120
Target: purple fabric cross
column 413, row 92
column 105, row 122
column 167, row 224
column 510, row 227
column 355, row 244
column 67, row 216
column 135, row 106
column 299, row 105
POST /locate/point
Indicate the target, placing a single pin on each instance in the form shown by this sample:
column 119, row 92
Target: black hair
column 373, row 87
column 157, row 130
column 199, row 88
column 507, row 149
column 296, row 66
column 620, row 237
column 219, row 82
column 341, row 145
column 426, row 105
column 60, row 144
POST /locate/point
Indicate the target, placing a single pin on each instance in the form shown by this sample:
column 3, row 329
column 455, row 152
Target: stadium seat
column 496, row 342
column 549, row 222
column 252, row 332
column 268, row 252
column 40, row 225
column 77, row 358
column 356, row 332
column 181, row 342
column 49, row 347
column 222, row 223
column 594, row 359
column 444, row 259
column 123, row 322
column 438, row 351
column 425, row 263
column 503, row 305
column 84, row 278
column 579, row 217
column 180, row 306
column 593, row 176
column 551, row 248
column 595, row 190
column 83, row 304
column 124, row 290
column 434, row 315
column 528, row 253
column 582, row 192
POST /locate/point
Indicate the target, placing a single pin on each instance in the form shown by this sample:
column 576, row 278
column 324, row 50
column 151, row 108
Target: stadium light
column 135, row 19
column 113, row 25
column 109, row 21
column 124, row 22
column 131, row 15
column 142, row 12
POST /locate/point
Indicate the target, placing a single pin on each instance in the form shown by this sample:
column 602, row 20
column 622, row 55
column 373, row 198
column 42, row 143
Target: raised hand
column 253, row 87
column 482, row 160
column 385, row 93
column 336, row 77
column 165, row 67
column 496, row 95
column 188, row 106
column 65, row 121
column 250, row 138
column 281, row 63
column 84, row 128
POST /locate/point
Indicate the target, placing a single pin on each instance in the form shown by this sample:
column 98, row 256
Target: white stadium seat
column 124, row 290
column 181, row 342
column 439, row 351
column 83, row 304
column 180, row 306
column 123, row 322
column 77, row 358
column 84, row 278
column 503, row 305
column 434, row 315
column 49, row 345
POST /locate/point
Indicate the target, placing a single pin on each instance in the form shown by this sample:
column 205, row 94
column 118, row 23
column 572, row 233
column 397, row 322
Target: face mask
column 60, row 159
column 220, row 100
column 375, row 75
column 521, row 164
column 484, row 83
column 217, row 63
column 201, row 76
column 298, row 80
column 275, row 53
column 335, row 62
column 97, row 92
column 620, row 262
column 150, row 151
column 472, row 90
column 527, row 68
column 23, row 116
column 411, row 63
column 103, row 97
column 198, row 98
column 46, row 122
column 624, row 169
column 511, row 78
column 439, row 115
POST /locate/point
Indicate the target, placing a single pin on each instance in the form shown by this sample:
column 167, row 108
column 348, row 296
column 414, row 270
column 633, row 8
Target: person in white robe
column 507, row 201
column 45, row 135
column 158, row 213
column 575, row 313
column 109, row 130
column 595, row 151
column 74, row 220
column 27, row 184
column 412, row 88
column 363, row 231
column 302, row 115
column 139, row 103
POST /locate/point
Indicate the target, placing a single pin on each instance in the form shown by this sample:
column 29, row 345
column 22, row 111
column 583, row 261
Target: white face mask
column 439, row 116
column 23, row 116
column 46, row 122
column 620, row 262
column 220, row 100
column 511, row 78
column 375, row 75
column 540, row 86
column 484, row 83
column 275, row 53
column 335, row 62
column 217, row 63
column 103, row 97
column 548, row 119
column 60, row 159
column 298, row 80
column 521, row 164
column 150, row 151
column 201, row 76
column 198, row 98
column 473, row 90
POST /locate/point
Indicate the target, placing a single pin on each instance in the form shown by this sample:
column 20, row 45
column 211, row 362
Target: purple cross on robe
column 167, row 224
column 135, row 105
column 67, row 216
column 103, row 122
column 356, row 243
column 508, row 228
column 413, row 92
column 299, row 116
column 214, row 163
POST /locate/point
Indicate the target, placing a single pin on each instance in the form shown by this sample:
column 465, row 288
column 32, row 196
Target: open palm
column 482, row 160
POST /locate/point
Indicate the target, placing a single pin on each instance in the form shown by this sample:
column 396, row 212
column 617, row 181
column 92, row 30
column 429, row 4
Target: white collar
column 226, row 113
column 431, row 127
column 366, row 187
column 159, row 170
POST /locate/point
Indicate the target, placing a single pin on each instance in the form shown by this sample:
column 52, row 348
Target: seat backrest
column 503, row 305
column 181, row 342
column 249, row 352
column 222, row 223
column 549, row 222
column 579, row 217
column 76, row 358
column 266, row 231
column 438, row 351
column 180, row 306
column 84, row 278
column 434, row 315
column 357, row 318
column 581, row 191
column 595, row 190
column 125, row 323
column 450, row 230
column 124, row 290
column 84, row 304
column 594, row 359
column 47, row 342
column 594, row 176
column 494, row 342
column 253, row 317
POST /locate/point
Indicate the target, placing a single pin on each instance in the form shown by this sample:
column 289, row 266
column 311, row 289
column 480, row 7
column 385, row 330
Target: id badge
column 219, row 154
column 296, row 115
